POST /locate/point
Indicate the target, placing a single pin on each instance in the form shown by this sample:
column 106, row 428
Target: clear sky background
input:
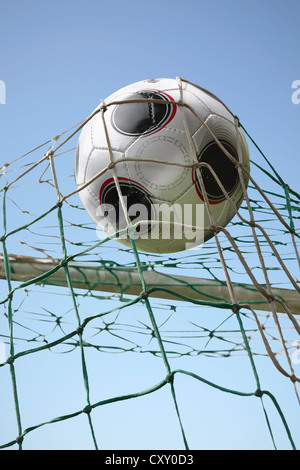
column 60, row 58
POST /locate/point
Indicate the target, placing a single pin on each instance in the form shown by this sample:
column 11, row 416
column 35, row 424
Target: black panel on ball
column 137, row 201
column 141, row 118
column 224, row 168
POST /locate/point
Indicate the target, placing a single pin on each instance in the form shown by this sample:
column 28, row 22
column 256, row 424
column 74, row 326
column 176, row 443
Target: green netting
column 45, row 316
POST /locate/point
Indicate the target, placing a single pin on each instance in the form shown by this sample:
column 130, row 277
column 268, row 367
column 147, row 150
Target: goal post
column 27, row 269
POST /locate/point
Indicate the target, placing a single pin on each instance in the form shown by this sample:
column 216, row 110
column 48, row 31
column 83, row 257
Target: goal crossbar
column 49, row 271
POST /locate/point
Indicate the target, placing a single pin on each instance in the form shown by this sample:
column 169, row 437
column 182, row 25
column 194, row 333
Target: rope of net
column 233, row 305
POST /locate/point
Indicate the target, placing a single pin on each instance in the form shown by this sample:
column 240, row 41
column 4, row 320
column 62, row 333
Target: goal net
column 105, row 347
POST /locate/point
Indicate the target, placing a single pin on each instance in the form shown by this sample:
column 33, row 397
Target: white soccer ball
column 148, row 158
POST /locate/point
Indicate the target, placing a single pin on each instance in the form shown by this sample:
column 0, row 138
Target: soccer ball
column 152, row 162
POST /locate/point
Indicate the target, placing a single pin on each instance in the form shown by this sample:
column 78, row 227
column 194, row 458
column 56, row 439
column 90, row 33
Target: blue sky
column 60, row 58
